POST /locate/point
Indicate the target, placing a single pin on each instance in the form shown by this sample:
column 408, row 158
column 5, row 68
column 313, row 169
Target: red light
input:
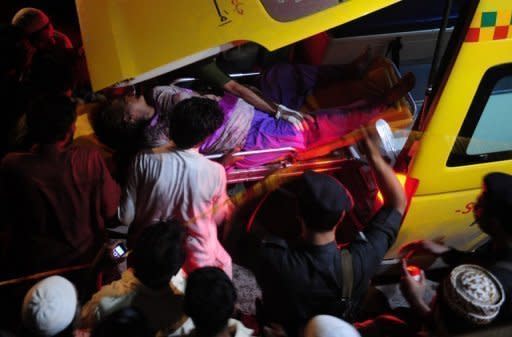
column 402, row 178
column 410, row 185
column 415, row 272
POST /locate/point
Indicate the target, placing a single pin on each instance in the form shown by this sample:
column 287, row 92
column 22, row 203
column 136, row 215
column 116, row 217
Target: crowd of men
column 58, row 198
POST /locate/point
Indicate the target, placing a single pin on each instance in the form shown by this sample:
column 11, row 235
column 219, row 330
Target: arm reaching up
column 380, row 233
column 392, row 192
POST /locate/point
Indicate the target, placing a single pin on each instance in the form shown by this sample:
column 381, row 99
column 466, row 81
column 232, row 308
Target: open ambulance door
column 467, row 131
column 128, row 41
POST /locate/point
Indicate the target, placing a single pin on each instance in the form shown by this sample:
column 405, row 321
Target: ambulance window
column 485, row 135
column 289, row 10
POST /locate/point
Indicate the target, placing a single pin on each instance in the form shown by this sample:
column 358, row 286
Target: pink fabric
column 330, row 125
column 204, row 249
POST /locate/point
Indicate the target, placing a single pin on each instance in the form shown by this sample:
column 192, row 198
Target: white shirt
column 184, row 185
column 188, row 329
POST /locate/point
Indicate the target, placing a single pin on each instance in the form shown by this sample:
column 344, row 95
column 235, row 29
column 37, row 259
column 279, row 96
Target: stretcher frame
column 291, row 163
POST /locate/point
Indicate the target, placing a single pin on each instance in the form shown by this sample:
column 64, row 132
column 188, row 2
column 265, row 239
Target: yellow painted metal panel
column 447, row 215
column 486, row 34
column 504, row 17
column 124, row 38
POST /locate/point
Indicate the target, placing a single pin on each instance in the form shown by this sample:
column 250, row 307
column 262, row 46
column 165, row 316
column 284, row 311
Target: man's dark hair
column 126, row 322
column 159, row 253
column 49, row 118
column 107, row 121
column 209, row 300
column 193, row 120
column 53, row 70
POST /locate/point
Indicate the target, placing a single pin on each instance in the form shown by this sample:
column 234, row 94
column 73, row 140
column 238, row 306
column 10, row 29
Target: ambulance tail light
column 410, row 185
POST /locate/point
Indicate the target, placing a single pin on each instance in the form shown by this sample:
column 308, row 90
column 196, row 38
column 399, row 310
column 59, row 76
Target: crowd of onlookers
column 144, row 169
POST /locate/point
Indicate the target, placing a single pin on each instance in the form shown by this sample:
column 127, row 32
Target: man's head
column 51, row 119
column 135, row 100
column 492, row 210
column 159, row 253
column 323, row 201
column 37, row 26
column 50, row 306
column 193, row 120
column 209, row 300
column 329, row 326
column 108, row 121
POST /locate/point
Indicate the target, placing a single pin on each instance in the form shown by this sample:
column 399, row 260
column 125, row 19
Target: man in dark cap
column 492, row 213
column 315, row 276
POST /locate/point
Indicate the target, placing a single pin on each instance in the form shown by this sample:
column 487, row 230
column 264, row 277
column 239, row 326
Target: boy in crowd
column 177, row 182
column 210, row 302
column 157, row 256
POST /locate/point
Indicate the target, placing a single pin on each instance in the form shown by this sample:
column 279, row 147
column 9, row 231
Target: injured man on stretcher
column 248, row 129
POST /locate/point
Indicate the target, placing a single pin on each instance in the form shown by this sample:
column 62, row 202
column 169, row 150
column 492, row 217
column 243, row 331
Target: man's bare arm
column 392, row 192
column 251, row 97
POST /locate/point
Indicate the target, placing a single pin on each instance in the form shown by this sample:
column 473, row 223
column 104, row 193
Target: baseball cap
column 323, row 200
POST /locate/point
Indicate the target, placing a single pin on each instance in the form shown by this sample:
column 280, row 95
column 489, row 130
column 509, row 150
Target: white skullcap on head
column 329, row 326
column 30, row 19
column 50, row 306
column 474, row 293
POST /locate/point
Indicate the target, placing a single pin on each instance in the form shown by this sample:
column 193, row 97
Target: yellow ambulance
column 463, row 127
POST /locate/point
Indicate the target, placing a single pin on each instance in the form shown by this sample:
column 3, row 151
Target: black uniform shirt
column 299, row 281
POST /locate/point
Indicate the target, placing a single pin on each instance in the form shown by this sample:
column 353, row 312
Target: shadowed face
column 44, row 38
column 137, row 109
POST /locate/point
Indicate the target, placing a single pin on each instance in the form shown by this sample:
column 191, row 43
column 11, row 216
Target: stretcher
column 393, row 127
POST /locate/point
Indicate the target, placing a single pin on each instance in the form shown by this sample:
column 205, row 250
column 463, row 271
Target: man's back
column 180, row 184
column 56, row 204
column 299, row 282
